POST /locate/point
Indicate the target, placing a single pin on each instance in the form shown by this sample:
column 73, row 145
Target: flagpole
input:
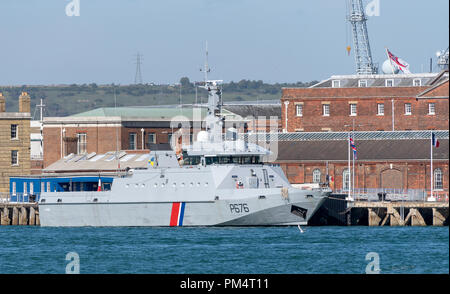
column 349, row 171
column 431, row 166
column 353, row 172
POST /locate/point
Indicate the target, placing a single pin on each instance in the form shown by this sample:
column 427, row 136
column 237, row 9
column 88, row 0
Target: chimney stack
column 2, row 103
column 24, row 102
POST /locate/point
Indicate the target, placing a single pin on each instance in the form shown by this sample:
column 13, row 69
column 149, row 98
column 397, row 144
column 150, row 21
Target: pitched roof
column 368, row 150
column 439, row 90
column 266, row 110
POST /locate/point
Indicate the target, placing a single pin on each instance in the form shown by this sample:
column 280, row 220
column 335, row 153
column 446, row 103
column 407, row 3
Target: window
column 25, row 188
column 431, row 108
column 336, row 84
column 326, row 109
column 362, row 83
column 346, row 180
column 14, row 157
column 151, row 138
column 380, row 107
column 389, row 83
column 81, row 143
column 417, row 82
column 407, row 108
column 14, row 132
column 353, row 109
column 299, row 108
column 316, row 176
column 438, row 179
column 31, row 188
column 132, row 141
column 169, row 138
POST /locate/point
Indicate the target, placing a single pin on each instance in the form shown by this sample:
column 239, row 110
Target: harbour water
column 227, row 250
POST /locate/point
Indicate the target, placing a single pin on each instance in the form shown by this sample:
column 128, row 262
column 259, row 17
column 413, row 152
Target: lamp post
column 63, row 135
column 142, row 138
column 286, row 103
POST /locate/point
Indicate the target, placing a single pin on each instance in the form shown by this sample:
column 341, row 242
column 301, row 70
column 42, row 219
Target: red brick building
column 369, row 103
column 396, row 160
column 136, row 128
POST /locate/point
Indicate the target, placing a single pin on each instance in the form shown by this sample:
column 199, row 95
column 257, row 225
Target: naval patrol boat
column 214, row 181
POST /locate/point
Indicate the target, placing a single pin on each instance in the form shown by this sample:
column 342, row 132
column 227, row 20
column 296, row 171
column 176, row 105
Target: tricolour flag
column 434, row 141
column 400, row 64
column 352, row 144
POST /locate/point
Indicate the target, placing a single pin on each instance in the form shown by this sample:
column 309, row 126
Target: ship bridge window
column 191, row 160
column 232, row 159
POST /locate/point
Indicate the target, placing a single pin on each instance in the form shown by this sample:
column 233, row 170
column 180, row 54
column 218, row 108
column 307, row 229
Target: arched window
column 346, row 180
column 438, row 179
column 316, row 176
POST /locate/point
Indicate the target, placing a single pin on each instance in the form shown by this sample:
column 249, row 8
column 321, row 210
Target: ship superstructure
column 218, row 180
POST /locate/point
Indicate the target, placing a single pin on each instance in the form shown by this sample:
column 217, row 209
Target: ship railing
column 19, row 197
column 382, row 194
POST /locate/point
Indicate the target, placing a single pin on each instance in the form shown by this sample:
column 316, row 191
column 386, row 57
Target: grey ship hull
column 271, row 210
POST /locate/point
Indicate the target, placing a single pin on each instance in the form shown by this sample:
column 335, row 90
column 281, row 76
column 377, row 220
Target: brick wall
column 21, row 144
column 367, row 118
column 99, row 139
column 370, row 175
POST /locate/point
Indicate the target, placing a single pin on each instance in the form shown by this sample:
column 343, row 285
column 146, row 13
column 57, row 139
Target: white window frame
column 380, row 106
column 355, row 112
column 134, row 141
column 327, row 108
column 387, row 81
column 316, row 175
column 25, row 192
column 16, row 163
column 431, row 108
column 31, row 188
column 438, row 180
column 346, row 180
column 417, row 80
column 16, row 137
column 336, row 83
column 299, row 109
column 154, row 138
column 408, row 109
column 14, row 189
column 81, row 144
column 362, row 83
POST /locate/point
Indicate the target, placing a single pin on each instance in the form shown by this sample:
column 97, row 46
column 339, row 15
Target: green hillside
column 63, row 100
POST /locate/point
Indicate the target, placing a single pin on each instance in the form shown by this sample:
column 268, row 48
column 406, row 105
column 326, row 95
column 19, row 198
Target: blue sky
column 273, row 41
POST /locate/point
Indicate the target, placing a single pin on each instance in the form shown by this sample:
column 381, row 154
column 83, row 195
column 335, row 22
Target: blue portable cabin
column 29, row 188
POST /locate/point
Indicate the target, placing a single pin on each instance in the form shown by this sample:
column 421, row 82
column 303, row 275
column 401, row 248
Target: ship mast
column 214, row 121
